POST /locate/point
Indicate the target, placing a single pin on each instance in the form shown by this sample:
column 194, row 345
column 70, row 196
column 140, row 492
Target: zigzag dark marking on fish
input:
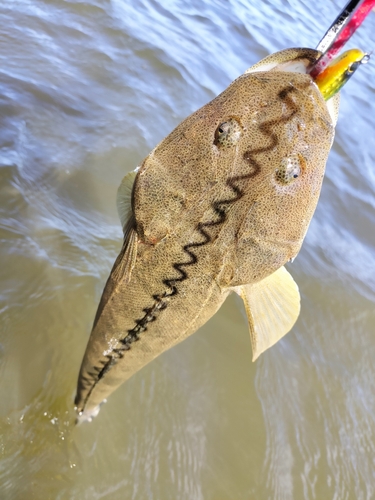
column 159, row 300
column 231, row 182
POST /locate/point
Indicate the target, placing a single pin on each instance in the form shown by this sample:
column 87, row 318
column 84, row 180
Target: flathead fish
column 219, row 206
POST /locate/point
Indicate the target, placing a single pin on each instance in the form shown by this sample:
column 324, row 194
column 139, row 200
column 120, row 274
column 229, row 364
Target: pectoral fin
column 272, row 307
column 124, row 198
column 126, row 260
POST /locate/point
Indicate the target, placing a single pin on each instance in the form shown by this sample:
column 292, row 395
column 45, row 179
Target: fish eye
column 228, row 133
column 289, row 169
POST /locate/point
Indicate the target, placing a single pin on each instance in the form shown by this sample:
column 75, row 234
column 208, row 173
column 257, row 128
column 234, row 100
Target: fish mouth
column 294, row 60
column 297, row 65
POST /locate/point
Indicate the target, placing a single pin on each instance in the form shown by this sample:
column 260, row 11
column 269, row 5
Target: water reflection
column 87, row 89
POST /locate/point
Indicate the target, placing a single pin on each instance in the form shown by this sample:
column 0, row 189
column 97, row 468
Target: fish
column 219, row 206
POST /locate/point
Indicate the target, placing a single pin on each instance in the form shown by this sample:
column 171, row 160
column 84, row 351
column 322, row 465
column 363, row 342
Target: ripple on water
column 87, row 89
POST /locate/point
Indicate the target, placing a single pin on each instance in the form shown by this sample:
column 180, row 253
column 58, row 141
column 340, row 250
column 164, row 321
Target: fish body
column 220, row 205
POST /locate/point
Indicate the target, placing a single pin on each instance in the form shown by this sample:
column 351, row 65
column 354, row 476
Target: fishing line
column 340, row 31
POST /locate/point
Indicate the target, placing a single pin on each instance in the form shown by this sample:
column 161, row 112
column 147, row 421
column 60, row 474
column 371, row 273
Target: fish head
column 250, row 163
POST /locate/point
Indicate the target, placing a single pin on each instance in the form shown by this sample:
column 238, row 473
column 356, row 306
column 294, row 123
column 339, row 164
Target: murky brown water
column 86, row 90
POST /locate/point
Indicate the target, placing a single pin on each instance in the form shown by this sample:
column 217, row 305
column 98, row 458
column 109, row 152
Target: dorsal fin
column 272, row 307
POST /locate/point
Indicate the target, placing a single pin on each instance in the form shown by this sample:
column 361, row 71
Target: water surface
column 87, row 89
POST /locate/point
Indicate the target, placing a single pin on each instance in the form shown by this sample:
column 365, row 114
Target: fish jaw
column 294, row 60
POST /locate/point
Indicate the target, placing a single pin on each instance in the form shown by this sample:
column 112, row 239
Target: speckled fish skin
column 213, row 210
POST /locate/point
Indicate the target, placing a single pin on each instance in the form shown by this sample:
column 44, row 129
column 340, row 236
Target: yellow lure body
column 338, row 72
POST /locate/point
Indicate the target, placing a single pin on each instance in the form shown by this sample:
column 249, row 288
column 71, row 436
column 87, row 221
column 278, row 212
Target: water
column 87, row 89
